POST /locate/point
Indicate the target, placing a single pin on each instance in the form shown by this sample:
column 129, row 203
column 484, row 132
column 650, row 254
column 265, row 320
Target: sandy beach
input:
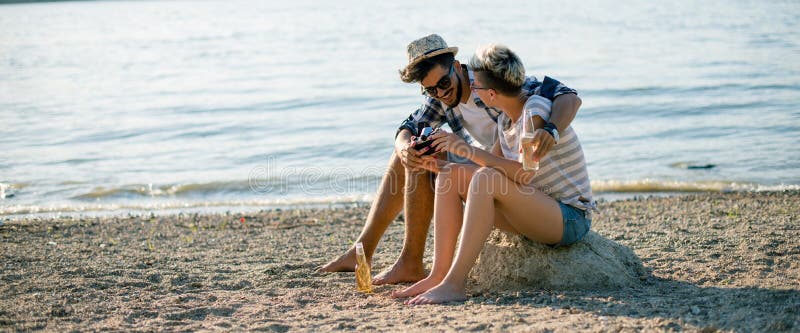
column 715, row 262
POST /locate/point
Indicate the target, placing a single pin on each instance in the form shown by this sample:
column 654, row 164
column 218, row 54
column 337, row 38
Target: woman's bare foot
column 442, row 293
column 417, row 288
column 401, row 271
column 345, row 263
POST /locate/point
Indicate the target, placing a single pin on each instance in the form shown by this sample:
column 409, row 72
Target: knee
column 396, row 169
column 417, row 174
column 448, row 171
column 484, row 174
column 483, row 181
column 446, row 177
column 395, row 163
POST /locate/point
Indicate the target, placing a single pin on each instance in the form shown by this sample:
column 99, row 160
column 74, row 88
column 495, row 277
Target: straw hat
column 427, row 47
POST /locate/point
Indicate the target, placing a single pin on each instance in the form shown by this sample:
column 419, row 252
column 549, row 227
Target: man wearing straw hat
column 408, row 183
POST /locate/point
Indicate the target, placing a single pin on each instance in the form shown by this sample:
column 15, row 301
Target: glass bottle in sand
column 525, row 141
column 363, row 274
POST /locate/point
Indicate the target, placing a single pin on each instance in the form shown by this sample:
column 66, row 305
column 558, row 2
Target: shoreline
column 716, row 261
column 58, row 212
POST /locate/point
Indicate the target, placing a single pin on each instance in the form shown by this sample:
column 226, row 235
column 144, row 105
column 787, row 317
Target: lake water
column 156, row 105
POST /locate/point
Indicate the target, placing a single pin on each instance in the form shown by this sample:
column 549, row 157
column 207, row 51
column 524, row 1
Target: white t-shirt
column 478, row 123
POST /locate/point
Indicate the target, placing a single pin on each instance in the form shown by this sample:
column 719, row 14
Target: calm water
column 167, row 105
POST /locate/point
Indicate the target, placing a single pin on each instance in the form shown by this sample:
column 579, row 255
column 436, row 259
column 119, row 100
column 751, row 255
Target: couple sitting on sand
column 475, row 182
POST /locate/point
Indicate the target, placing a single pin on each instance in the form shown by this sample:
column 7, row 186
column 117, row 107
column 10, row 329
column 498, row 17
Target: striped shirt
column 562, row 172
column 479, row 117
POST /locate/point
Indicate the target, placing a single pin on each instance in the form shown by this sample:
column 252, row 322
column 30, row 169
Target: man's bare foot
column 400, row 272
column 345, row 263
column 442, row 293
column 417, row 288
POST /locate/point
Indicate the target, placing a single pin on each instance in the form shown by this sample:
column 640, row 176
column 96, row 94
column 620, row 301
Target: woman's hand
column 445, row 141
column 435, row 162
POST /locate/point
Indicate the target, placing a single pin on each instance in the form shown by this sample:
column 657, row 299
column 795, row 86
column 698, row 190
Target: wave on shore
column 242, row 196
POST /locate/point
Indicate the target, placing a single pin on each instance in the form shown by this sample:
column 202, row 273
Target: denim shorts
column 576, row 224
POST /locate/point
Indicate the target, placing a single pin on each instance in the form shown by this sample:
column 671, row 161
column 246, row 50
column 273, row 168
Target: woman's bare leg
column 452, row 185
column 530, row 212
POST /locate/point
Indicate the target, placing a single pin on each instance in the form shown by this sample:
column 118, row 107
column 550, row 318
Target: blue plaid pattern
column 437, row 114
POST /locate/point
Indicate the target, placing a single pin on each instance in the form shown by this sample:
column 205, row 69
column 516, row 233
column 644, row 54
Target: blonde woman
column 551, row 206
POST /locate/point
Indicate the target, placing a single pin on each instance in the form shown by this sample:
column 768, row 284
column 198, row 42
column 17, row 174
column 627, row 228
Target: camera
column 423, row 138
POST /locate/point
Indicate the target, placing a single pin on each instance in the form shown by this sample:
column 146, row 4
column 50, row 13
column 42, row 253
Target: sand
column 728, row 262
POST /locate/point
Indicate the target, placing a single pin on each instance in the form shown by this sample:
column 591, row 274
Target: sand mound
column 513, row 262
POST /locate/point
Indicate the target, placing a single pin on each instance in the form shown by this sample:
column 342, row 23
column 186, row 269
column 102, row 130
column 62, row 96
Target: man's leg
column 385, row 207
column 418, row 212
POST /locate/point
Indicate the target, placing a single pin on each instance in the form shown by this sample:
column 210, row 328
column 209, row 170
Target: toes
column 423, row 301
column 418, row 300
column 398, row 294
column 338, row 265
column 381, row 278
column 326, row 268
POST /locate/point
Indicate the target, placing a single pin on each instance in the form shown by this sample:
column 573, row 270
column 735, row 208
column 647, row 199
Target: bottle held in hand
column 525, row 141
column 363, row 274
column 526, row 158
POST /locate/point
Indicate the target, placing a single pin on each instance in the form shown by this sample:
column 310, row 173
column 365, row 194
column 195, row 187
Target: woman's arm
column 496, row 149
column 510, row 168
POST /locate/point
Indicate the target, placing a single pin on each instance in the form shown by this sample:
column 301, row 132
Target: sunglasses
column 443, row 84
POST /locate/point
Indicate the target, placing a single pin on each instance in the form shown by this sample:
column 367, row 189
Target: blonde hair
column 505, row 71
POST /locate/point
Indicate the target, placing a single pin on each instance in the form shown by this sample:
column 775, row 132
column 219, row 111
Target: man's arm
column 430, row 112
column 565, row 107
column 410, row 157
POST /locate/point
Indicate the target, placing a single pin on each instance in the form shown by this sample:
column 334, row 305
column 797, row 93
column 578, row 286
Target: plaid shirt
column 435, row 113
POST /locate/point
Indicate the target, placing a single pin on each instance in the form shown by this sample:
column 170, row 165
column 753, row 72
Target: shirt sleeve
column 430, row 112
column 552, row 88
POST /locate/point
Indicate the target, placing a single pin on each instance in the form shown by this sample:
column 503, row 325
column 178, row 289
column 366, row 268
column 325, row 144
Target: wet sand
column 728, row 262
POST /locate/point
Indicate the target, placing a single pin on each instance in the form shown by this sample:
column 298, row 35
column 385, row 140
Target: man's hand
column 543, row 141
column 565, row 107
column 410, row 157
column 445, row 141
